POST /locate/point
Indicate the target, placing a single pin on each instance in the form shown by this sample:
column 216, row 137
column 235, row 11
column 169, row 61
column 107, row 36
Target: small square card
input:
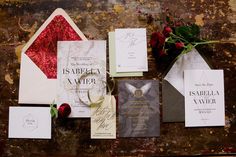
column 204, row 98
column 29, row 122
column 131, row 50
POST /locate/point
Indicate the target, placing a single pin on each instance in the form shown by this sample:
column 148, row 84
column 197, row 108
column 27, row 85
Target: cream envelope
column 38, row 72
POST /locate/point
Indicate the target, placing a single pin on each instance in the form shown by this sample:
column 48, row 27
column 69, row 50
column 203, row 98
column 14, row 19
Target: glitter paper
column 43, row 51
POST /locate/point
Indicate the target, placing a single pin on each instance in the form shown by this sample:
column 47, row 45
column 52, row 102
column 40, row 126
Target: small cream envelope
column 35, row 87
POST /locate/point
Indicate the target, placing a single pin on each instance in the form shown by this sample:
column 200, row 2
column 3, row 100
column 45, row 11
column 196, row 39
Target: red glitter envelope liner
column 43, row 51
column 38, row 70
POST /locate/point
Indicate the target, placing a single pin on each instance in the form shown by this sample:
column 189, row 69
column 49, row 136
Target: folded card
column 81, row 74
column 38, row 71
column 112, row 60
column 131, row 50
column 29, row 122
column 173, row 85
column 139, row 114
column 204, row 98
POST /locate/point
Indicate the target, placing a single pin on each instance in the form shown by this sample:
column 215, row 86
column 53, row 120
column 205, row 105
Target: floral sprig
column 63, row 111
column 177, row 38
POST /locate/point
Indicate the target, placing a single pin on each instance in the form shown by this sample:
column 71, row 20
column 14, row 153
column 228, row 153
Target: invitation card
column 81, row 70
column 138, row 102
column 204, row 98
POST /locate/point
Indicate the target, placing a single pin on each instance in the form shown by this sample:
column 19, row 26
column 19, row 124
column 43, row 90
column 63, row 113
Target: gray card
column 139, row 114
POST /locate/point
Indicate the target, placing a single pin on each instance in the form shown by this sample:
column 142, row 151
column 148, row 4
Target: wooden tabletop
column 19, row 19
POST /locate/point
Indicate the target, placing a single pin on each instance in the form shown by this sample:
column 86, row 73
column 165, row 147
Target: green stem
column 178, row 37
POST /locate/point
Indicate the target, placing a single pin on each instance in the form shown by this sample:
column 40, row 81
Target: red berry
column 167, row 30
column 179, row 45
column 64, row 110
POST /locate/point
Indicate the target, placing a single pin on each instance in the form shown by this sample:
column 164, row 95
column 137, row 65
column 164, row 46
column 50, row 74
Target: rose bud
column 154, row 38
column 162, row 53
column 167, row 30
column 179, row 45
column 64, row 110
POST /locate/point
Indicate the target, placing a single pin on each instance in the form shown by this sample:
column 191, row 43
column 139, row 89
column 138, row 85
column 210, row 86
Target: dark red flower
column 179, row 45
column 157, row 43
column 64, row 110
column 157, row 40
column 162, row 53
column 166, row 31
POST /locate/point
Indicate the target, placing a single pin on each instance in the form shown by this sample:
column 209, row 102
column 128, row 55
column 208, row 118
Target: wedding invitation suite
column 29, row 122
column 103, row 119
column 131, row 50
column 138, row 102
column 81, row 70
column 204, row 98
column 112, row 60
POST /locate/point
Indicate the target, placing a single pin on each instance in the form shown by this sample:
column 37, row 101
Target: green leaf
column 195, row 30
column 188, row 32
column 187, row 48
column 53, row 111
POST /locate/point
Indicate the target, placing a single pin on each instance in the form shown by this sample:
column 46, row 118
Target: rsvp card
column 204, row 98
column 29, row 122
column 131, row 50
column 103, row 119
column 112, row 60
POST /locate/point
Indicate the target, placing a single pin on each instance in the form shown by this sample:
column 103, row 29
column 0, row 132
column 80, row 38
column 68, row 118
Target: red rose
column 157, row 43
column 162, row 53
column 157, row 40
column 179, row 45
column 64, row 110
column 166, row 31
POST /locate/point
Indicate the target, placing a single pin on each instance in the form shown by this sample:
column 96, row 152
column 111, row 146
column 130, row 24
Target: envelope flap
column 42, row 47
column 191, row 60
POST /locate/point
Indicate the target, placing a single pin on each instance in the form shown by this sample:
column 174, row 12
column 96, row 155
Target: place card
column 204, row 98
column 131, row 50
column 29, row 122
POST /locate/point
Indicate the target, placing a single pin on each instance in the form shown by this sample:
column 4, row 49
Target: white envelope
column 35, row 87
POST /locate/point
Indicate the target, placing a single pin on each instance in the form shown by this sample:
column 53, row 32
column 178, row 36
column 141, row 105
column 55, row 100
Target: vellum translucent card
column 29, row 122
column 204, row 98
column 131, row 50
column 77, row 58
column 139, row 114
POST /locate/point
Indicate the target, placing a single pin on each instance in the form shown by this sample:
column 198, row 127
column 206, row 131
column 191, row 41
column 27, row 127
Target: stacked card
column 128, row 52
